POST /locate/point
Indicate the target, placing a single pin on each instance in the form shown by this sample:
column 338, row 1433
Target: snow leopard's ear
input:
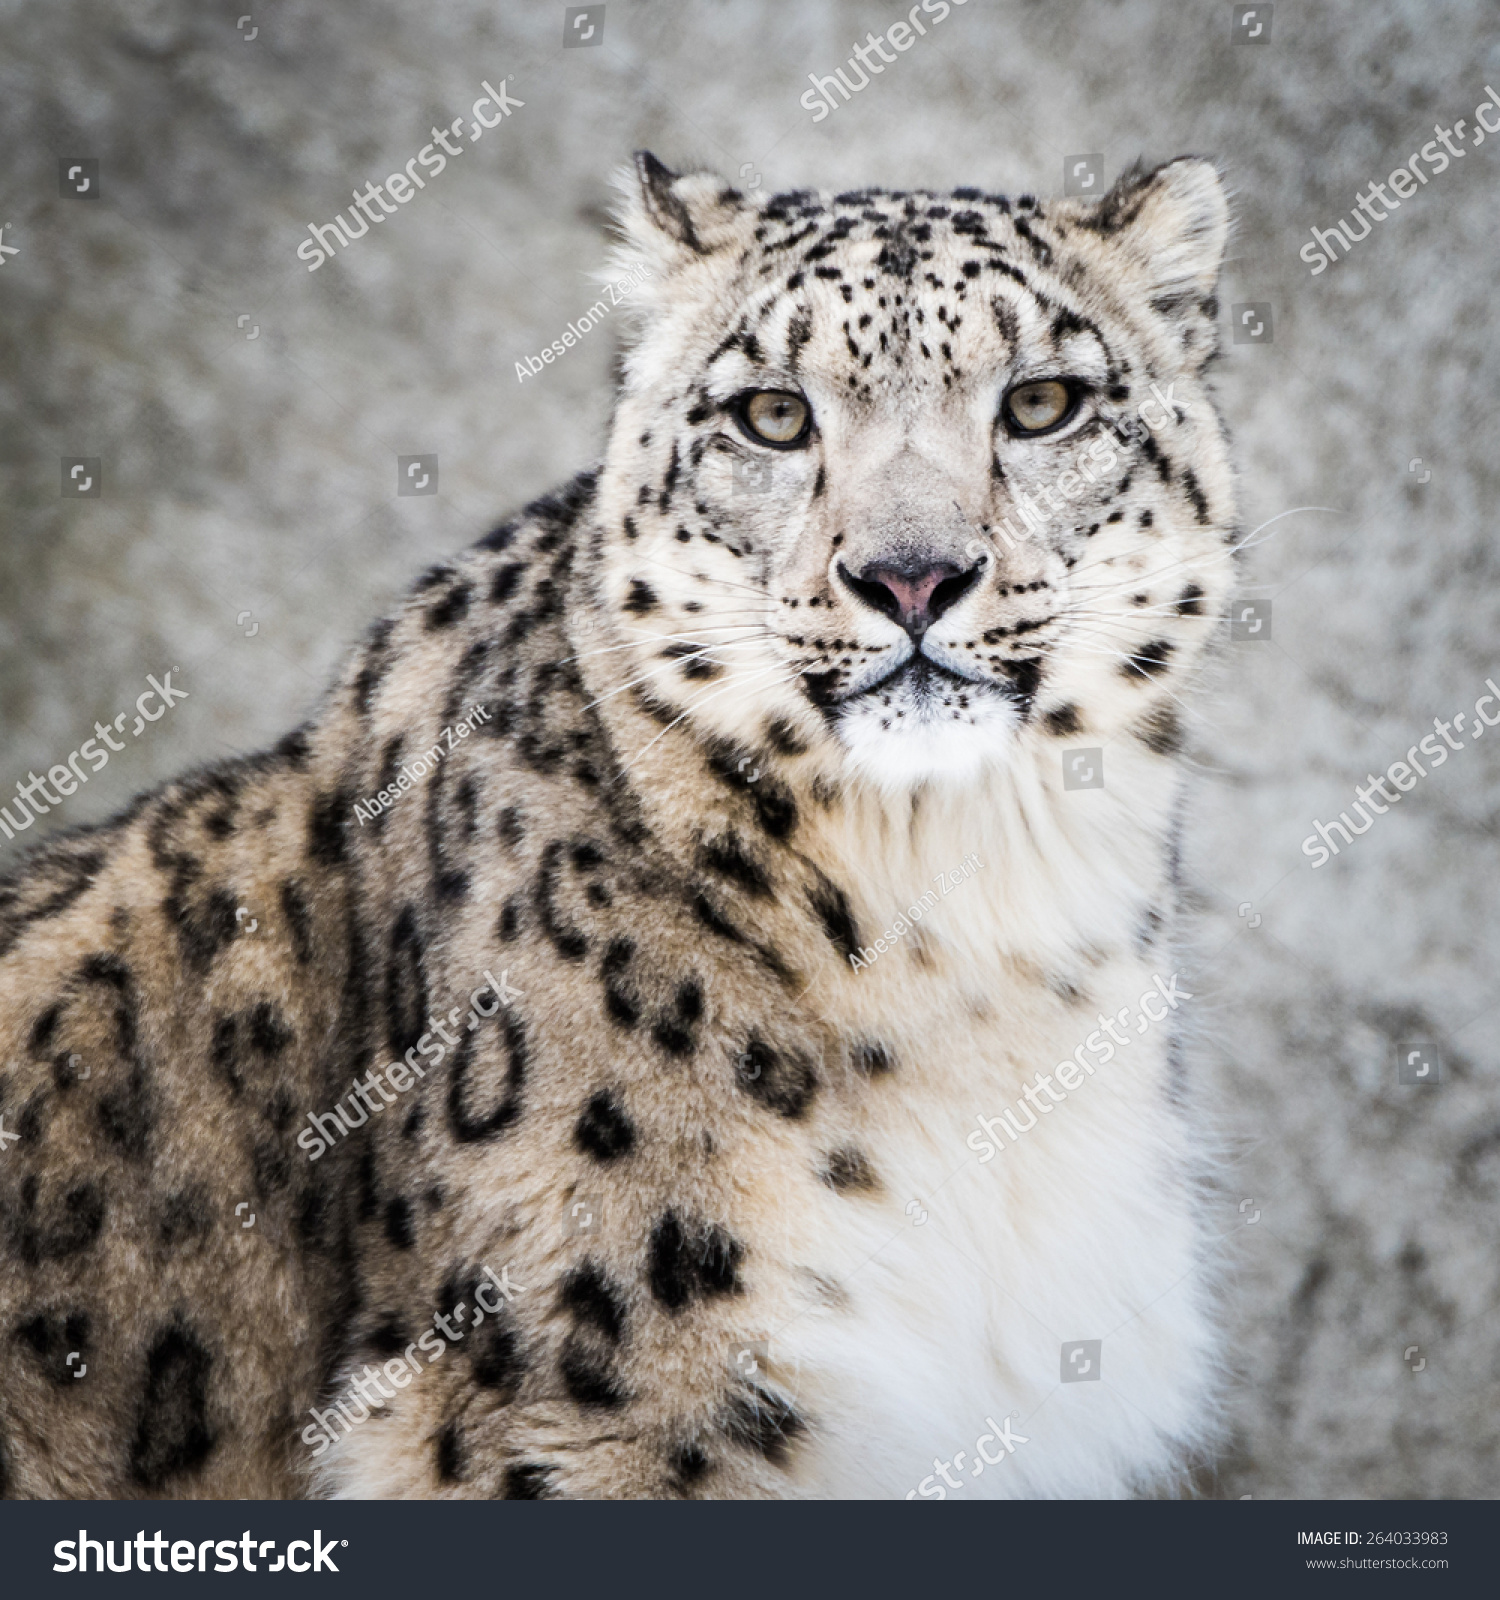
column 1173, row 225
column 670, row 217
column 1167, row 230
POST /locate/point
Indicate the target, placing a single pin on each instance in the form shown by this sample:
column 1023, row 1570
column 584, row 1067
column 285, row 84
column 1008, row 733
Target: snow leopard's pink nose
column 914, row 595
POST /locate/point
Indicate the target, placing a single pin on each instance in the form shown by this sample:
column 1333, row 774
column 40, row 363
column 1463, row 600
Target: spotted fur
column 710, row 771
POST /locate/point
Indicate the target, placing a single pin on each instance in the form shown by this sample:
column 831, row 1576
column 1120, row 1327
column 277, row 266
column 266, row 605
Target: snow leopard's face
column 904, row 478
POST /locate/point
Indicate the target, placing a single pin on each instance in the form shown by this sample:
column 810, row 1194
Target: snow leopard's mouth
column 920, row 677
column 926, row 688
column 922, row 688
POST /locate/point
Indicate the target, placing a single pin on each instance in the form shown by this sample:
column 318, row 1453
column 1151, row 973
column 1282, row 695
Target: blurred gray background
column 248, row 525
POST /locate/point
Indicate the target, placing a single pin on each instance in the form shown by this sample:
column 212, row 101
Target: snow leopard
column 695, row 1012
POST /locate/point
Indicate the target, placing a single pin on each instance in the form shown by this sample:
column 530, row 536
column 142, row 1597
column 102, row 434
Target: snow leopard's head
column 904, row 478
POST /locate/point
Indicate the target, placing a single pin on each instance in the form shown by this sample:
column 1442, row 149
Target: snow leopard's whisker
column 688, row 711
column 678, row 638
column 1099, row 620
column 1121, row 585
column 1250, row 539
column 1164, row 608
column 1246, row 543
column 1100, row 645
column 702, row 700
column 675, row 661
column 1098, row 562
column 710, row 577
column 1126, row 584
column 1105, row 649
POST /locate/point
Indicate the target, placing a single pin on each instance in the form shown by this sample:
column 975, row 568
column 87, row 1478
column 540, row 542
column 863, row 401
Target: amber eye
column 1037, row 407
column 775, row 417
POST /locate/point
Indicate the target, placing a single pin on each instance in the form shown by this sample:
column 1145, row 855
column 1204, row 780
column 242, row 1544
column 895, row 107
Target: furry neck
column 1004, row 865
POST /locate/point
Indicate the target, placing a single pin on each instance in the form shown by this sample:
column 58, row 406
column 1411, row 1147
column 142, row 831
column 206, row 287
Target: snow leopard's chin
column 925, row 726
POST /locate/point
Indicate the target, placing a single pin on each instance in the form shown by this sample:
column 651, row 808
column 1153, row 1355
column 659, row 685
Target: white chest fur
column 1035, row 1323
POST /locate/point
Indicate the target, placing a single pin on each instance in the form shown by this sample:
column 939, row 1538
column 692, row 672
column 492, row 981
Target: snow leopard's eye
column 775, row 417
column 1039, row 407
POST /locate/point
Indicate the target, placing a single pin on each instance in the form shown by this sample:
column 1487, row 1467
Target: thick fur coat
column 653, row 926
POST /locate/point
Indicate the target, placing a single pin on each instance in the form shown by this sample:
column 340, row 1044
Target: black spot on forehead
column 1067, row 322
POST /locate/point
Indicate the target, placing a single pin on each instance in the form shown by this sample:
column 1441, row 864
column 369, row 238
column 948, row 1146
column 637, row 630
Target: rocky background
column 247, row 415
